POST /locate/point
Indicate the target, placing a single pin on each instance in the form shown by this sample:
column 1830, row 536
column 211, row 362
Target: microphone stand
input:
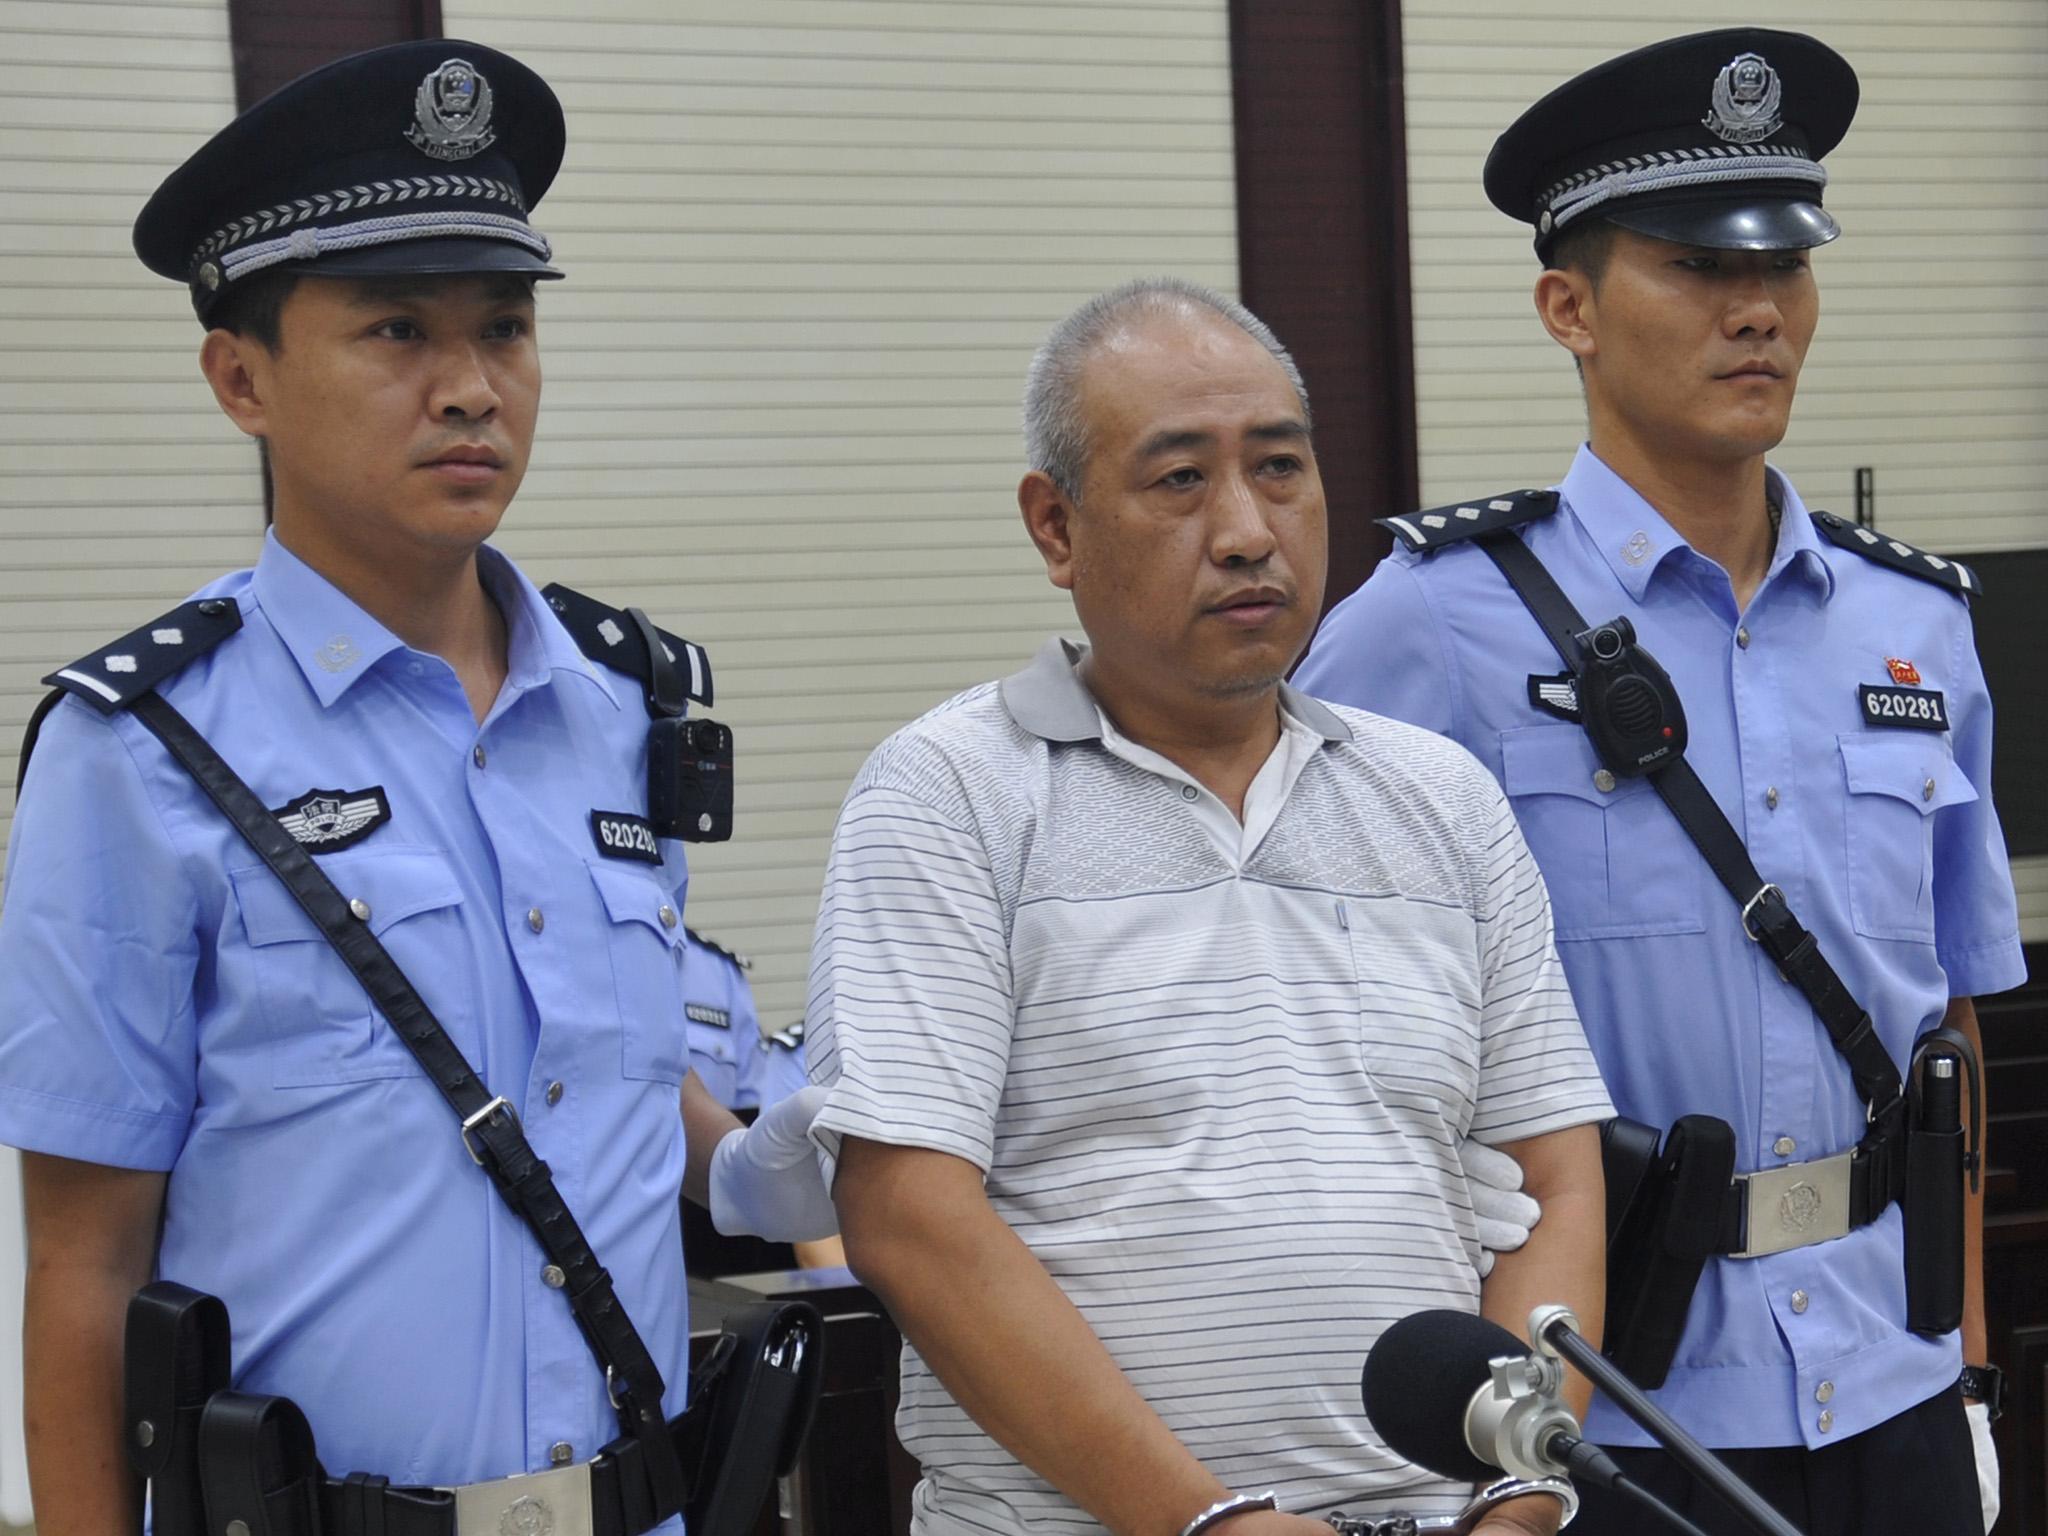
column 1555, row 1330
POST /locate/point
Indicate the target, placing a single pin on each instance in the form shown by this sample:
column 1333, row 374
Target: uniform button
column 667, row 914
column 1827, row 1420
column 553, row 1278
column 1824, row 1393
column 1799, row 1301
column 1927, row 790
column 1771, row 797
column 360, row 908
column 561, row 1453
column 1742, row 638
column 1603, row 781
column 477, row 754
column 1188, row 792
column 1784, row 1146
column 534, row 920
column 554, row 1094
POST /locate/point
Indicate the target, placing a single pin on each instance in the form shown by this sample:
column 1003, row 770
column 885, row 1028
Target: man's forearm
column 1007, row 1343
column 1565, row 1259
column 91, row 1246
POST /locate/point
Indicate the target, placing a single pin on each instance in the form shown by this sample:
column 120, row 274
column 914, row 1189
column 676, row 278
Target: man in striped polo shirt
column 1155, row 998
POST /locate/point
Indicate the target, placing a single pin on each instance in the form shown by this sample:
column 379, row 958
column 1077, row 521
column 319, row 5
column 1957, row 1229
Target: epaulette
column 1425, row 532
column 605, row 635
column 115, row 676
column 1897, row 554
column 790, row 1039
column 717, row 948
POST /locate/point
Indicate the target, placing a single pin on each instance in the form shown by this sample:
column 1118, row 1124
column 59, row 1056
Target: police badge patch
column 327, row 820
column 452, row 113
column 1746, row 97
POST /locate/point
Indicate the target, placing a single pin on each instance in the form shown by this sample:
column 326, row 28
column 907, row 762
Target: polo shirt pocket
column 645, row 937
column 323, row 1030
column 1616, row 862
column 1896, row 782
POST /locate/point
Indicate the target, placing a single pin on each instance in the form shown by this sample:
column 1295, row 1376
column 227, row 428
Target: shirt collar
column 1049, row 699
column 336, row 642
column 1635, row 540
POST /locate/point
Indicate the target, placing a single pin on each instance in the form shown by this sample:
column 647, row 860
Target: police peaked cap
column 1713, row 139
column 424, row 157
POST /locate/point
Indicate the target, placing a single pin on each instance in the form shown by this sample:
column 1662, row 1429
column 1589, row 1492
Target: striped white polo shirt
column 1215, row 1087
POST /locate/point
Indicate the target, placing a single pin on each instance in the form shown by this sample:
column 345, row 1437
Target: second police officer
column 1838, row 719
column 485, row 784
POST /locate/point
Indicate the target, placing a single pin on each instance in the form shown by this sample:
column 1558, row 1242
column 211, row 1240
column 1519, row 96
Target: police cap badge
column 424, row 157
column 1713, row 139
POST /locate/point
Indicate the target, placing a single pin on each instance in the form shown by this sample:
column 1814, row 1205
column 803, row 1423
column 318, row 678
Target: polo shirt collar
column 336, row 642
column 1049, row 699
column 1635, row 540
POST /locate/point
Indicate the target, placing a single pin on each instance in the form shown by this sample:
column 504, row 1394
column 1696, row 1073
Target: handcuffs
column 1460, row 1524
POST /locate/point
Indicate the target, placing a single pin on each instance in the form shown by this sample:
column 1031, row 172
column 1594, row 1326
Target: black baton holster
column 1938, row 1162
column 258, row 1466
column 752, row 1405
column 1661, row 1232
column 177, row 1354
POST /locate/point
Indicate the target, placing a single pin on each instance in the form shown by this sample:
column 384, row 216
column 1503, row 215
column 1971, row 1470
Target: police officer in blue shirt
column 747, row 1070
column 1837, row 716
column 201, row 1088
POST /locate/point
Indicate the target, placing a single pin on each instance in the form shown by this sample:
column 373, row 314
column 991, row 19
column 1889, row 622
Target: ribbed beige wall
column 810, row 247
column 1931, row 365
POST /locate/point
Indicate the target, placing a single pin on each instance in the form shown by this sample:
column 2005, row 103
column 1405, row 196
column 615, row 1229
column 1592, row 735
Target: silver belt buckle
column 1800, row 1204
column 552, row 1503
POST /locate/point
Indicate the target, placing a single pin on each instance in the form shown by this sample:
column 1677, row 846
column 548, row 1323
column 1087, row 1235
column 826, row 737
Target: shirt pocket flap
column 1918, row 769
column 395, row 884
column 1557, row 760
column 632, row 897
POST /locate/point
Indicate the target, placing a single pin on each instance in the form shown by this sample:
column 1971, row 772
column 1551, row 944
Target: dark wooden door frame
column 1322, row 243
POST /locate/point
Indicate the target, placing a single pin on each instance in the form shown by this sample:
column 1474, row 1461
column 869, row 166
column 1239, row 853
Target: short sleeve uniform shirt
column 1879, row 828
column 164, row 1005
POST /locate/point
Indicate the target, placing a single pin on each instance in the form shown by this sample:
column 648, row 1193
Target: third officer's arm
column 91, row 1245
column 1962, row 1018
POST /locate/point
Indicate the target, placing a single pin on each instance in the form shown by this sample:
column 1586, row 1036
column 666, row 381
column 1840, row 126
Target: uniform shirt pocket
column 645, row 936
column 1616, row 862
column 1896, row 782
column 322, row 1027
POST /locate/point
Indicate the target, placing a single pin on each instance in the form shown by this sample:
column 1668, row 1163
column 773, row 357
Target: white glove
column 1504, row 1213
column 1987, row 1459
column 765, row 1178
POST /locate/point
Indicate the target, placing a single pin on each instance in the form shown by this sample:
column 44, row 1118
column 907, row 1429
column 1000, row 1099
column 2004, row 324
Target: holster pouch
column 1934, row 1200
column 176, row 1354
column 1628, row 1158
column 258, row 1465
column 1664, row 1239
column 763, row 1383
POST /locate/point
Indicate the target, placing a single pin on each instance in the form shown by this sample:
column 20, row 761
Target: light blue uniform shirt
column 742, row 1068
column 165, row 1005
column 1884, row 841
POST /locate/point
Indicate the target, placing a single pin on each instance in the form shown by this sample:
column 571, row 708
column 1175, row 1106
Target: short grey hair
column 1055, row 433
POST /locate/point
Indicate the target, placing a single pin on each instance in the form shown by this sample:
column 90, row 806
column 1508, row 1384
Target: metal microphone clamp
column 1523, row 1412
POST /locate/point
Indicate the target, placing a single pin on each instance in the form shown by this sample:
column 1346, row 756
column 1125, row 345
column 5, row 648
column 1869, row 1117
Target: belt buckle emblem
column 552, row 1503
column 1794, row 1206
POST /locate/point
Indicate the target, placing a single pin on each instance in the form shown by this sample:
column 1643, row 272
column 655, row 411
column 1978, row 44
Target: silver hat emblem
column 451, row 112
column 1746, row 95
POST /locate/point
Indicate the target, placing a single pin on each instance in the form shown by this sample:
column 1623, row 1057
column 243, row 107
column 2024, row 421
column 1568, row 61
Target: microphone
column 1464, row 1398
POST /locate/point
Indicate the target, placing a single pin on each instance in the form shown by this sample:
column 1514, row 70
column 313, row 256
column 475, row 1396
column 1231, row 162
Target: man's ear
column 238, row 368
column 1565, row 304
column 1048, row 515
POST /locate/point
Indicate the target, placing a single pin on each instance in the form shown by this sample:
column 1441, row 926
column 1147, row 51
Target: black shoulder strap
column 490, row 1129
column 1426, row 532
column 1897, row 554
column 115, row 675
column 1766, row 917
column 610, row 637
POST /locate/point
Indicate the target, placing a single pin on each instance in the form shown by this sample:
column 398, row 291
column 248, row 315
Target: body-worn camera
column 689, row 780
column 1626, row 701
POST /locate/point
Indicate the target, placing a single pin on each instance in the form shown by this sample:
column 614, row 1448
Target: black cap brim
column 451, row 256
column 1746, row 223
